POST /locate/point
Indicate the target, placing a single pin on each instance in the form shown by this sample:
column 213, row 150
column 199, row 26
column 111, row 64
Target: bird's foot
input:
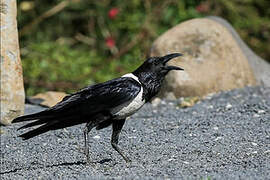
column 88, row 161
column 128, row 163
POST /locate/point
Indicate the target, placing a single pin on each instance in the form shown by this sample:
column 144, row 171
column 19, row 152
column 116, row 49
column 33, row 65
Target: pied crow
column 103, row 104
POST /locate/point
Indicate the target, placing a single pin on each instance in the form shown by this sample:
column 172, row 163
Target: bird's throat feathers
column 150, row 82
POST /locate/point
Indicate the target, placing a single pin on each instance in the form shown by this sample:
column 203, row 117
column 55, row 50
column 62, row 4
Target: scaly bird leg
column 117, row 126
column 89, row 126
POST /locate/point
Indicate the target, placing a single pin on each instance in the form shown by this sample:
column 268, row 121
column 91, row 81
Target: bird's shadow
column 80, row 163
column 58, row 165
column 104, row 161
column 67, row 164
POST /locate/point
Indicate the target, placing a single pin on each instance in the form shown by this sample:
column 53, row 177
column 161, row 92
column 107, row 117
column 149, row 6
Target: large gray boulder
column 213, row 59
column 12, row 90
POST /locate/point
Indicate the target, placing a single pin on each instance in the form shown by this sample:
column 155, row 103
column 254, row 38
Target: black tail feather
column 42, row 129
column 42, row 114
column 35, row 123
column 50, row 124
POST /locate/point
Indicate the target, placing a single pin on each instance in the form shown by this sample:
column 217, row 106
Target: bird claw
column 129, row 163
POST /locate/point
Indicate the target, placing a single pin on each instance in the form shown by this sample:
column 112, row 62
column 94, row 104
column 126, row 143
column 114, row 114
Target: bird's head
column 153, row 71
column 157, row 66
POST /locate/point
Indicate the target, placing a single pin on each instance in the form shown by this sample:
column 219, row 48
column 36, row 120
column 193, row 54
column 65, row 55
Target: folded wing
column 83, row 106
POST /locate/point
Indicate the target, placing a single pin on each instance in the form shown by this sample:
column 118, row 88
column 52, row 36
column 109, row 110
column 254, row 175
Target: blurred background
column 68, row 44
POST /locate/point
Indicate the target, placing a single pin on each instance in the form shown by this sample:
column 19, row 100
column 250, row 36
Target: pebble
column 156, row 102
column 96, row 137
column 228, row 106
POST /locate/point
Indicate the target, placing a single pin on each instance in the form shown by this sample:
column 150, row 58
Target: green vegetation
column 68, row 44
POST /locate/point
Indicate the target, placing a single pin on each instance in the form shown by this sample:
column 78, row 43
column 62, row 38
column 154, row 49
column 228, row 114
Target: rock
column 156, row 101
column 49, row 98
column 189, row 102
column 213, row 61
column 12, row 90
column 259, row 66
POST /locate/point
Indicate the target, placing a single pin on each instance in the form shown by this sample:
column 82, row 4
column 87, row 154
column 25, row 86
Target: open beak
column 167, row 58
column 169, row 68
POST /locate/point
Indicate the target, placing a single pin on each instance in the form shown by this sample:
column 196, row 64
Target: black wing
column 100, row 97
column 85, row 105
column 91, row 100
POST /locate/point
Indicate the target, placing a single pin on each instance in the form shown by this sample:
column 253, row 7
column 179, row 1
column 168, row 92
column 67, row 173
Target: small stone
column 218, row 138
column 156, row 102
column 228, row 106
column 261, row 111
column 209, row 96
column 96, row 137
column 132, row 137
column 185, row 162
column 254, row 144
column 189, row 102
column 163, row 102
column 256, row 115
column 194, row 113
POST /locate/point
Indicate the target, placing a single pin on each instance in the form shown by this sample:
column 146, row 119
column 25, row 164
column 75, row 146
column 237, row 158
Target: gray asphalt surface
column 225, row 136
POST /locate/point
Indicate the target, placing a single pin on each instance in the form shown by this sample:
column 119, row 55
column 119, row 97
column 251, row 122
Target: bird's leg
column 117, row 126
column 87, row 129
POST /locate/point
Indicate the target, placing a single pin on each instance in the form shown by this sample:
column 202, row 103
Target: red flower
column 110, row 42
column 113, row 12
column 202, row 8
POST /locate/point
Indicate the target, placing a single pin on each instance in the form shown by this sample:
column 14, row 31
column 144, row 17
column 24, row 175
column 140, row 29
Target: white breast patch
column 130, row 107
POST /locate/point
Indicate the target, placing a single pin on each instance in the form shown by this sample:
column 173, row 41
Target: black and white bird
column 103, row 104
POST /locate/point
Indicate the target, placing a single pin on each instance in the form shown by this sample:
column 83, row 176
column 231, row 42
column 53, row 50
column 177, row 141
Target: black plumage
column 103, row 104
column 88, row 103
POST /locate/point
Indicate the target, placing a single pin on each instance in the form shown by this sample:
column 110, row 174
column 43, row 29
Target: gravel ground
column 225, row 136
